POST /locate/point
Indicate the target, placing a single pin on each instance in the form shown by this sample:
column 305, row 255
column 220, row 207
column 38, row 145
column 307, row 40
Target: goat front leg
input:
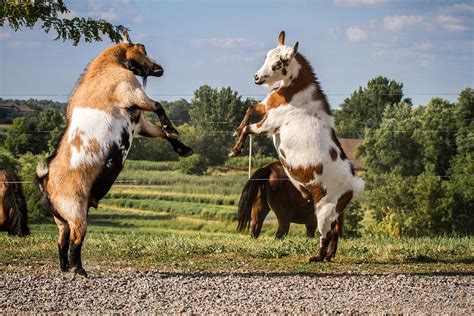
column 258, row 108
column 139, row 100
column 148, row 129
column 263, row 127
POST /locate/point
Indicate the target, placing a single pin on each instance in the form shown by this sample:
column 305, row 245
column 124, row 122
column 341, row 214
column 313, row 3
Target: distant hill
column 11, row 108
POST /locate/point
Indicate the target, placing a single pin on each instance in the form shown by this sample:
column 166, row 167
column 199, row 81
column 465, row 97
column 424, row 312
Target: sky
column 428, row 45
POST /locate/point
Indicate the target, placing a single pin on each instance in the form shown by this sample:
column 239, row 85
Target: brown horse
column 13, row 211
column 270, row 188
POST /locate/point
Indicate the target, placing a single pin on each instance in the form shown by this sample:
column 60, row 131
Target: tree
column 27, row 13
column 35, row 133
column 391, row 147
column 177, row 111
column 214, row 113
column 365, row 107
column 464, row 114
column 437, row 135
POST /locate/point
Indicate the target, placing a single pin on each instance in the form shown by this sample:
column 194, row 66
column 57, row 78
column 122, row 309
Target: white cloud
column 459, row 8
column 334, row 32
column 399, row 22
column 23, row 44
column 451, row 23
column 138, row 19
column 5, row 35
column 109, row 15
column 426, row 60
column 356, row 34
column 227, row 42
column 359, row 2
column 421, row 46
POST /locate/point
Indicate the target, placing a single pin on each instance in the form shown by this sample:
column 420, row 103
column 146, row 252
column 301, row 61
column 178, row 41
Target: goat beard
column 144, row 81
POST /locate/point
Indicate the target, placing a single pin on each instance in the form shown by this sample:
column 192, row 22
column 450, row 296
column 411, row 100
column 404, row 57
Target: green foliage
column 459, row 190
column 213, row 111
column 436, row 135
column 20, row 14
column 393, row 147
column 177, row 111
column 365, row 107
column 195, row 164
column 152, row 150
column 33, row 134
column 27, row 173
column 464, row 113
column 242, row 163
column 7, row 161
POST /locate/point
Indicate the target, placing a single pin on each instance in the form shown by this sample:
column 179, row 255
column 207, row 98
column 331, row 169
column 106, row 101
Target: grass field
column 159, row 218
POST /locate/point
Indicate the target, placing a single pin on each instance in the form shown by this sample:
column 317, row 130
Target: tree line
column 419, row 159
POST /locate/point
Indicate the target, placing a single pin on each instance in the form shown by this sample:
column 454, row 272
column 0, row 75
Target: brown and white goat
column 104, row 113
column 298, row 116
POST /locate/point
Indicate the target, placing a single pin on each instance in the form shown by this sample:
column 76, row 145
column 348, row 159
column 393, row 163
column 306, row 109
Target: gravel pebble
column 257, row 292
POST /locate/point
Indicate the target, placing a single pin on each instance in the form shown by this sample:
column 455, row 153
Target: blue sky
column 427, row 45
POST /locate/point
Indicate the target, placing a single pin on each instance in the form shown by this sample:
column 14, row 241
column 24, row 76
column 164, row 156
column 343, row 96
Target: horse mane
column 310, row 76
column 15, row 203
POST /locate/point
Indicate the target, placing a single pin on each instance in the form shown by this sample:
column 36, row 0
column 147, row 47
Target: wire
column 242, row 94
column 138, row 182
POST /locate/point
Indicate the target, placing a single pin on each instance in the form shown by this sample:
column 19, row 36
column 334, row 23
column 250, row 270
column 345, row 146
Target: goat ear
column 295, row 49
column 123, row 31
column 281, row 38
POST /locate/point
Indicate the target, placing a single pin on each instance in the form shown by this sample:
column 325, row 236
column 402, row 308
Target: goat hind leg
column 326, row 216
column 78, row 233
column 63, row 243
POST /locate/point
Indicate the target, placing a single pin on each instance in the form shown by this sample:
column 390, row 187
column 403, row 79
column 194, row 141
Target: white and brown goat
column 104, row 113
column 298, row 116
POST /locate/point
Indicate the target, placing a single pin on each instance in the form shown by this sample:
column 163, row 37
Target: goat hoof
column 65, row 267
column 79, row 271
column 234, row 153
column 185, row 151
column 315, row 259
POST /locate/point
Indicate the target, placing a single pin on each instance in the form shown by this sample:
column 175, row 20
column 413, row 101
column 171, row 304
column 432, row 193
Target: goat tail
column 42, row 173
column 17, row 210
column 257, row 182
column 358, row 186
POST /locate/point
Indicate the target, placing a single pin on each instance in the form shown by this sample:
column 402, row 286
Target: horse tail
column 257, row 182
column 42, row 173
column 17, row 209
column 358, row 186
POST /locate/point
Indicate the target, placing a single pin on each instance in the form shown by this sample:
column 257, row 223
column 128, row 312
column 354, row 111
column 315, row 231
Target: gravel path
column 131, row 291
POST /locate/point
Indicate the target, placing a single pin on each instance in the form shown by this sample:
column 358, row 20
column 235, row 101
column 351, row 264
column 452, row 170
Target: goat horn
column 123, row 31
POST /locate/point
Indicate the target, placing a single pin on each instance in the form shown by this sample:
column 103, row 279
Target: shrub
column 27, row 173
column 193, row 165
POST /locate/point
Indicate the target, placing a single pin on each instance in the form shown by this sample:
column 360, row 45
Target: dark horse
column 270, row 188
column 13, row 211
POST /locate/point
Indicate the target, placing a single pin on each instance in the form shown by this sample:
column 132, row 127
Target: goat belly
column 112, row 166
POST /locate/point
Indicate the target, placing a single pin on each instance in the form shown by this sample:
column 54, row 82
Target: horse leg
column 327, row 217
column 260, row 211
column 283, row 228
column 311, row 227
column 63, row 243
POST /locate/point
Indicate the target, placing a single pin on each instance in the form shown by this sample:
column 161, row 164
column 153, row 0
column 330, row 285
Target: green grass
column 170, row 221
column 145, row 239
